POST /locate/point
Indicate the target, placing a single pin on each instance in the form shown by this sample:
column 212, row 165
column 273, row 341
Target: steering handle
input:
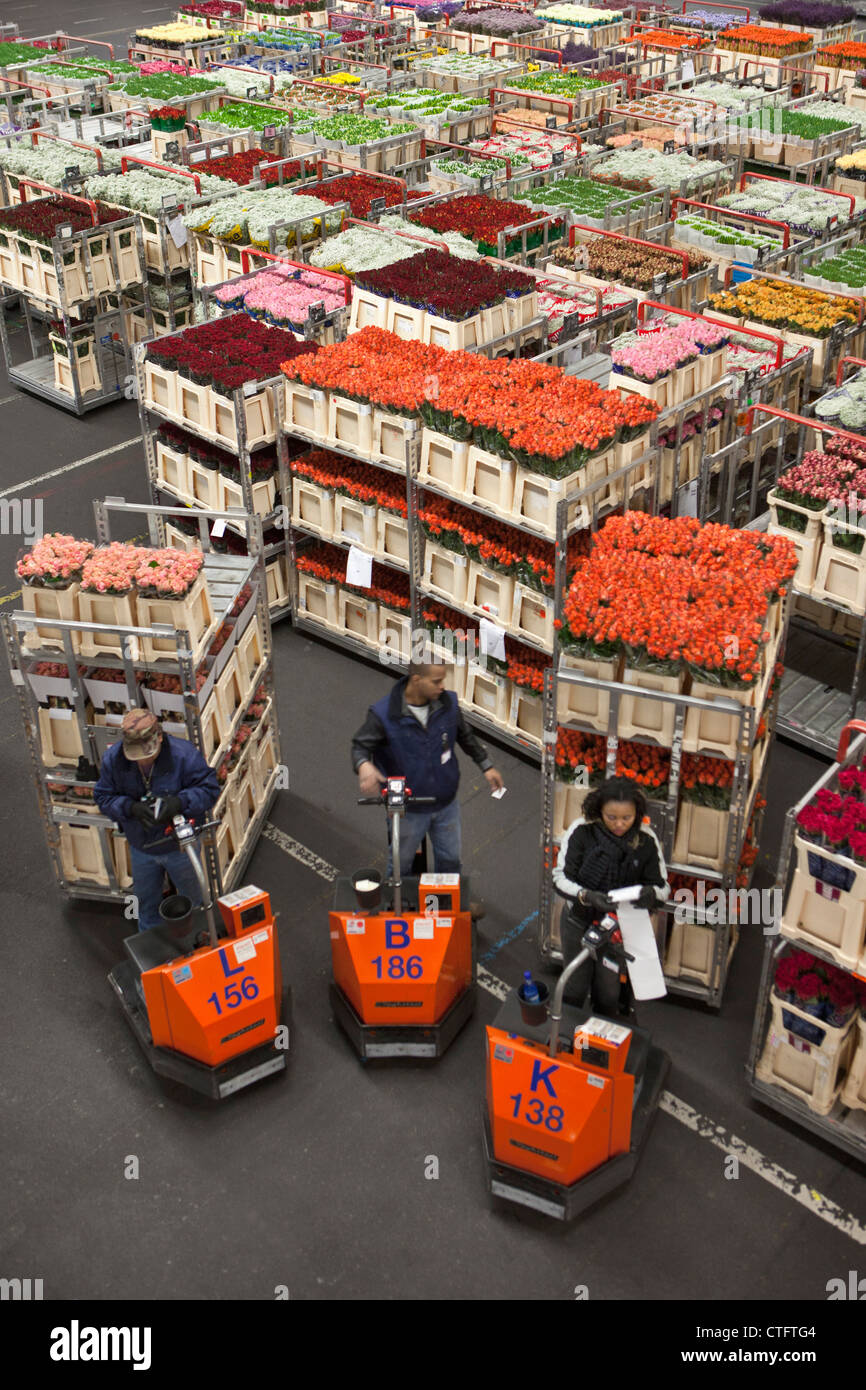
column 197, row 832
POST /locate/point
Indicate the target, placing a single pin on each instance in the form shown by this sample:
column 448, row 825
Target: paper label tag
column 259, row 937
column 598, row 1081
column 359, row 568
column 355, row 926
column 244, row 950
column 442, row 880
column 446, row 756
column 422, row 928
column 444, row 921
column 604, row 1028
column 185, row 973
column 492, row 639
column 218, row 529
column 178, row 232
column 688, row 70
column 498, row 795
column 61, row 713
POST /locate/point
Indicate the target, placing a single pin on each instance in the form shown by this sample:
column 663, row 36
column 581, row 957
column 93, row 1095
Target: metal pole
column 555, row 1012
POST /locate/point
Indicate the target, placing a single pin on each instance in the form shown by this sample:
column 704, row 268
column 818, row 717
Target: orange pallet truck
column 207, row 1002
column 403, row 953
column 570, row 1096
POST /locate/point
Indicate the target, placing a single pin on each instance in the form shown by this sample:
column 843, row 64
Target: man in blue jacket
column 143, row 767
column 411, row 733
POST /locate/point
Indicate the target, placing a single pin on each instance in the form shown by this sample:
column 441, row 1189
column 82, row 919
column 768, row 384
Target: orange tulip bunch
column 522, row 410
column 673, row 591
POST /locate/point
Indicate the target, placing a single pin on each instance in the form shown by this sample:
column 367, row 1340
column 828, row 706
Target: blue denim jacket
column 180, row 770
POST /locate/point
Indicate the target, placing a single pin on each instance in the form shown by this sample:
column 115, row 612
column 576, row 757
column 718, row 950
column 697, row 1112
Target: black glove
column 599, row 902
column 171, row 806
column 647, row 898
column 140, row 811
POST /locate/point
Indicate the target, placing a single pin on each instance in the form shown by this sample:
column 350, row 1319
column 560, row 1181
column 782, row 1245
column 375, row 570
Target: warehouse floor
column 316, row 1181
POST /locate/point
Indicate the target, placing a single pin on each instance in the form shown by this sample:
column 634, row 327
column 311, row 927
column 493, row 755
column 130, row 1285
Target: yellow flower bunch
column 342, row 79
column 176, row 33
column 852, row 161
column 786, row 306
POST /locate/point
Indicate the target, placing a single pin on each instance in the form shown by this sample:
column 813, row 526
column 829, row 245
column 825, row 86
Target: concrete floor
column 316, row 1181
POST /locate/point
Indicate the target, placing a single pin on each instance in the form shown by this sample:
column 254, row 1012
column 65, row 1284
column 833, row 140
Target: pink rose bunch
column 50, row 668
column 167, row 573
column 55, row 559
column 691, row 427
column 821, row 478
column 112, row 569
column 282, row 295
column 158, row 65
column 653, row 352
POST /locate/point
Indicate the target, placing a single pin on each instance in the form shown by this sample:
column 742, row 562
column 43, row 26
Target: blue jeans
column 147, row 882
column 443, row 827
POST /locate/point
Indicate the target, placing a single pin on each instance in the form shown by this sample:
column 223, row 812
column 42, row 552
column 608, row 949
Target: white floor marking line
column 750, row 1158
column 705, row 1128
column 301, row 853
column 68, row 467
column 7, row 399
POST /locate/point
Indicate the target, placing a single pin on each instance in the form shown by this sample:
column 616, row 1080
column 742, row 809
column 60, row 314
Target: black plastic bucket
column 534, row 1014
column 175, row 909
column 368, row 898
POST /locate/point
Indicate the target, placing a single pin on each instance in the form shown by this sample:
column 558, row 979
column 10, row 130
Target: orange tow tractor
column 207, row 1002
column 403, row 953
column 570, row 1096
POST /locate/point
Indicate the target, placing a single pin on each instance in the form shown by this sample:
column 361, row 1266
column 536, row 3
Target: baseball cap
column 141, row 734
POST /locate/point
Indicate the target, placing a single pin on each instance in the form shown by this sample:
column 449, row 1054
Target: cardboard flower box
column 317, row 600
column 193, row 612
column 313, row 508
column 50, row 603
column 490, row 482
column 444, row 462
column 586, row 705
column 392, row 434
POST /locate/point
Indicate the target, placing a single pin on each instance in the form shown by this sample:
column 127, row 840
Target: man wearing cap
column 143, row 768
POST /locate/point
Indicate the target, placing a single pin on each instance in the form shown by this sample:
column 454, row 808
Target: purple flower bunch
column 812, row 14
column 706, row 19
column 691, row 427
column 498, row 23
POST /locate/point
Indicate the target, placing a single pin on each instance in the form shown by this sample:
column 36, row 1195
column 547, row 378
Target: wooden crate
column 227, row 846
column 822, row 916
column 444, row 462
column 701, row 836
column 59, row 737
column 392, row 536
column 160, row 389
column 644, row 718
column 215, row 728
column 537, row 497
column 841, row 574
column 532, row 616
column 230, row 690
column 259, row 418
column 172, row 470
column 205, row 486
column 264, row 762
column 815, row 1077
column 490, row 594
column 445, row 573
column 50, row 603
column 582, row 704
column 263, row 495
column 249, row 656
column 194, row 612
column 368, row 310
column 405, row 321
column 395, row 632
column 317, row 599
column 194, row 405
column 81, row 854
column 490, row 482
column 568, row 799
column 488, row 694
column 808, row 550
column 354, row 523
column 244, row 805
column 358, row 617
column 391, row 436
column 690, row 952
column 350, row 425
column 306, row 410
column 716, row 730
column 120, row 858
column 277, row 578
column 526, row 716
column 114, row 611
column 313, row 507
column 457, row 334
column 854, row 1090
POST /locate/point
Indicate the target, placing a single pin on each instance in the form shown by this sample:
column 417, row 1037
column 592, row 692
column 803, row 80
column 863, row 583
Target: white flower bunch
column 660, row 170
column 48, row 162
column 454, row 242
column 357, row 249
column 248, row 216
column 835, row 111
column 142, row 190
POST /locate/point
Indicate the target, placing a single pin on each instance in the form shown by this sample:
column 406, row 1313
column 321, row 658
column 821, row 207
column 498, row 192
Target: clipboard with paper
column 644, row 970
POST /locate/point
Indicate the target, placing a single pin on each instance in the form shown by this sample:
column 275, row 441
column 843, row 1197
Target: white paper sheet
column 645, row 971
column 492, row 640
column 359, row 568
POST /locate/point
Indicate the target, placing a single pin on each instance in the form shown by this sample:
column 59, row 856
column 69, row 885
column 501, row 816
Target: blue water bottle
column 530, row 989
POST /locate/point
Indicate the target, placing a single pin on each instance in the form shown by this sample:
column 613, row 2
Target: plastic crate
column 113, row 610
column 193, row 612
column 583, row 704
column 317, row 600
column 306, row 410
column 445, row 573
column 50, row 603
column 490, row 482
column 701, row 835
column 490, row 594
column 643, row 718
column 823, row 916
column 354, row 523
column 358, row 617
column 313, row 508
column 350, row 425
column 809, row 1073
column 444, row 462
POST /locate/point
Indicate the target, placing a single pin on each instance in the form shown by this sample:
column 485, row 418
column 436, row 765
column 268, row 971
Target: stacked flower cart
column 808, row 1051
column 84, row 649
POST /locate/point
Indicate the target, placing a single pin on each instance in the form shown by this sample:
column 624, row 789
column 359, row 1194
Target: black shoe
column 477, row 911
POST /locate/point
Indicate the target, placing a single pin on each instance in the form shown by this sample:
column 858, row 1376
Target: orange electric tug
column 570, row 1096
column 403, row 953
column 207, row 1001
